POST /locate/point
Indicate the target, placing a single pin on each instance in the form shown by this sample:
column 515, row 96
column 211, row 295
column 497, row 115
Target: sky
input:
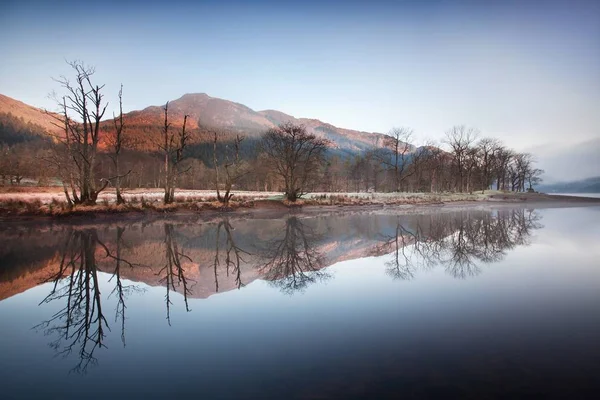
column 527, row 72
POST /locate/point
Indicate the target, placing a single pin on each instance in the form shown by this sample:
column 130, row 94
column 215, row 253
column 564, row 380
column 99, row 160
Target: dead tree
column 173, row 146
column 234, row 169
column 117, row 142
column 82, row 109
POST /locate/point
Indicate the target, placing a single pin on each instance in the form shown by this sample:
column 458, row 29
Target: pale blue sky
column 527, row 72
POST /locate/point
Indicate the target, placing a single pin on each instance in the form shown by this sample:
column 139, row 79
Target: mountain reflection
column 90, row 265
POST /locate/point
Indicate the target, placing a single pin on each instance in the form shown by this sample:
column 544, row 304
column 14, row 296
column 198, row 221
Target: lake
column 453, row 302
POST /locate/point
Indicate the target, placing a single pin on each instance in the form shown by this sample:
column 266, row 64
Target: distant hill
column 215, row 113
column 15, row 112
column 589, row 185
column 205, row 113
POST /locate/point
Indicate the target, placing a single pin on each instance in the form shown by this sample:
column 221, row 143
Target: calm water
column 471, row 304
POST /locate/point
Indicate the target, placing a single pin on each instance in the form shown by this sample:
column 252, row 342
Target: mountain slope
column 207, row 113
column 215, row 113
column 29, row 114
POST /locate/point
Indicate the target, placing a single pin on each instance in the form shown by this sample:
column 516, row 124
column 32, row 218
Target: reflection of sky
column 537, row 297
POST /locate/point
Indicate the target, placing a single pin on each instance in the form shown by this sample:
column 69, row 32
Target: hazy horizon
column 525, row 72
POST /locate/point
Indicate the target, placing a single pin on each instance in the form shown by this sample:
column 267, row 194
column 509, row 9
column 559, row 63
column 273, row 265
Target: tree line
column 286, row 158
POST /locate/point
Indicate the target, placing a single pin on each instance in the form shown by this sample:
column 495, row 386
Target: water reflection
column 293, row 260
column 460, row 243
column 173, row 275
column 81, row 325
column 228, row 253
column 201, row 258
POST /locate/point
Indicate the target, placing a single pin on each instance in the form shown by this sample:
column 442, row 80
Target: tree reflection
column 173, row 273
column 233, row 254
column 400, row 265
column 80, row 325
column 293, row 262
column 459, row 242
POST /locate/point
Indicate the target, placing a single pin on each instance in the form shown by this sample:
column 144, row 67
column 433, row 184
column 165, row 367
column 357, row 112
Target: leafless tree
column 398, row 140
column 172, row 146
column 486, row 148
column 460, row 139
column 534, row 177
column 522, row 164
column 117, row 140
column 234, row 169
column 502, row 160
column 296, row 155
column 82, row 109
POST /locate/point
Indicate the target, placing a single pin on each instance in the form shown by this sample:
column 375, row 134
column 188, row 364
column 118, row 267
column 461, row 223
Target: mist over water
column 592, row 195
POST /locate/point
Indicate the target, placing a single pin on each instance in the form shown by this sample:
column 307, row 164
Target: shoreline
column 265, row 207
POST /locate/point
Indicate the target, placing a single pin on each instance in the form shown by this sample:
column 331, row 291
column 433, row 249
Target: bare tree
column 172, row 147
column 296, row 155
column 486, row 148
column 234, row 169
column 116, row 142
column 398, row 140
column 534, row 177
column 502, row 160
column 82, row 109
column 461, row 139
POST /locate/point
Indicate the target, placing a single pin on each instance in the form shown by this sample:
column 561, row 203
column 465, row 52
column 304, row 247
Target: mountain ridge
column 588, row 185
column 207, row 113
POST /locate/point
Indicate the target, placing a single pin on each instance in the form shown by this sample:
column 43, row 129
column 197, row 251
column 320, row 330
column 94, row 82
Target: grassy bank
column 34, row 205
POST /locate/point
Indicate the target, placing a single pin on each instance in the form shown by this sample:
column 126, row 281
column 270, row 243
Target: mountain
column 589, row 185
column 28, row 114
column 207, row 113
column 213, row 113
